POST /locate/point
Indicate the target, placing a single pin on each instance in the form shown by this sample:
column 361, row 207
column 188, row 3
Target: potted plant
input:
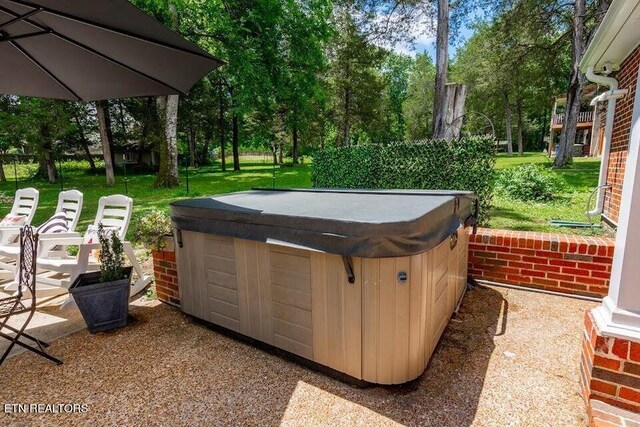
column 154, row 231
column 103, row 296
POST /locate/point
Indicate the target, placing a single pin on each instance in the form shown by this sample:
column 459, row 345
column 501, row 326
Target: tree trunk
column 294, row 148
column 208, row 135
column 520, row 127
column 122, row 123
column 168, row 174
column 3, row 178
column 49, row 164
column 235, row 143
column 223, row 155
column 281, row 158
column 347, row 118
column 507, row 118
column 274, row 152
column 564, row 151
column 442, row 62
column 85, row 144
column 104, row 123
column 454, row 100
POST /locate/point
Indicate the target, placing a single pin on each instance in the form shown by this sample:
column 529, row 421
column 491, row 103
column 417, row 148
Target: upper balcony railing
column 583, row 117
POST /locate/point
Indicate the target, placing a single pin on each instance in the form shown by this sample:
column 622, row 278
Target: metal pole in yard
column 61, row 178
column 187, row 170
column 124, row 168
column 15, row 170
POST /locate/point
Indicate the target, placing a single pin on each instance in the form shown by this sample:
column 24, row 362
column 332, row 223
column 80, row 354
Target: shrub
column 527, row 183
column 465, row 164
column 151, row 229
column 111, row 256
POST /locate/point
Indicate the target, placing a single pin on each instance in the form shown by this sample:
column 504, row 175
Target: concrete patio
column 510, row 358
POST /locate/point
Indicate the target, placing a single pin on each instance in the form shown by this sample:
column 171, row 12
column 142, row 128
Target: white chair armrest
column 90, row 246
column 60, row 238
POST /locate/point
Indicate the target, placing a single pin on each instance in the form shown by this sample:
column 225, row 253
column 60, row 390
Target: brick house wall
column 627, row 78
column 609, row 368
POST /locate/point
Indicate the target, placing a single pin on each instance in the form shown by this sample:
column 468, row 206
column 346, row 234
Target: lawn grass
column 577, row 180
column 255, row 172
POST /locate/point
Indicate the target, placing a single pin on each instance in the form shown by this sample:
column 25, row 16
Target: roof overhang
column 617, row 36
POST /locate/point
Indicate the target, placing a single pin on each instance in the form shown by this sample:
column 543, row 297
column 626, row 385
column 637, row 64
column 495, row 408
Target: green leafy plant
column 527, row 183
column 111, row 256
column 152, row 228
column 465, row 164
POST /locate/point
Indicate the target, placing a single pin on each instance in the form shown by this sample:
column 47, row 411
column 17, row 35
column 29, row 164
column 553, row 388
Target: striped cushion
column 55, row 224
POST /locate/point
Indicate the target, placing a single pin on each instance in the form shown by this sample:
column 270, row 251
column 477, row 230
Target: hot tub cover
column 361, row 223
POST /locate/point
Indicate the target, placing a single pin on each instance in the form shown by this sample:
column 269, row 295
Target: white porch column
column 619, row 314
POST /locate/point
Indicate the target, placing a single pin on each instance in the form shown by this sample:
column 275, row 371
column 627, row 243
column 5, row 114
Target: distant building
column 588, row 134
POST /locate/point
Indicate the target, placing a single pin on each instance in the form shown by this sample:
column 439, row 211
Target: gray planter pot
column 104, row 305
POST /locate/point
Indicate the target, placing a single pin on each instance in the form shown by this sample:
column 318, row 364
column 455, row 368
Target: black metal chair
column 15, row 305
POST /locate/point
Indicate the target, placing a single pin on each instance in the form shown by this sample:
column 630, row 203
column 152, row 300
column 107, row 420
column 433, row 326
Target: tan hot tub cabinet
column 278, row 267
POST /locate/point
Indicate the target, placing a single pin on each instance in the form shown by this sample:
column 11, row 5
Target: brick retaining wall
column 555, row 262
column 165, row 271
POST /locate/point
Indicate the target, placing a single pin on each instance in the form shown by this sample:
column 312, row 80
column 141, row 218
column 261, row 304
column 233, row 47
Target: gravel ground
column 510, row 358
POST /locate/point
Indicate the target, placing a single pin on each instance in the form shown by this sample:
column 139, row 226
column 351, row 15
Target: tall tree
column 418, row 107
column 168, row 109
column 442, row 65
column 583, row 25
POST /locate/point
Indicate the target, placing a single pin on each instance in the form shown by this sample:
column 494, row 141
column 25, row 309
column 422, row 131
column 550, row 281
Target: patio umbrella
column 91, row 50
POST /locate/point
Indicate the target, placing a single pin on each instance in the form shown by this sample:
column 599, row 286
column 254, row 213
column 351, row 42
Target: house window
column 129, row 157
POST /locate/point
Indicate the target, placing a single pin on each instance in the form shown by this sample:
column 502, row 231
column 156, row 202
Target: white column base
column 615, row 322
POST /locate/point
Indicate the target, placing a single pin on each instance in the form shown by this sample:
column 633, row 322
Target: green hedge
column 465, row 164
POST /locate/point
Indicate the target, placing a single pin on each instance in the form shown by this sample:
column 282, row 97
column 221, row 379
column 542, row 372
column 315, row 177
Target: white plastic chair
column 113, row 212
column 69, row 202
column 24, row 204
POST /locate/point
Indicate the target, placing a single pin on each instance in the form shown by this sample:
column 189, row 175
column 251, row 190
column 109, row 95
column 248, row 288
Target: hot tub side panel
column 377, row 328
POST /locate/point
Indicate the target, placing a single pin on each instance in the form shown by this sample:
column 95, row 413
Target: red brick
column 604, row 387
column 634, row 352
column 532, row 273
column 517, row 264
column 549, row 254
column 607, row 363
column 592, row 266
column 574, row 286
column 551, row 268
column 168, row 279
column 576, row 271
column 518, row 279
column 620, row 348
column 562, row 263
column 602, row 344
column 630, row 394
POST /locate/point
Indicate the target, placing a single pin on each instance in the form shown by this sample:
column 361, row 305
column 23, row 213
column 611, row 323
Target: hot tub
column 363, row 282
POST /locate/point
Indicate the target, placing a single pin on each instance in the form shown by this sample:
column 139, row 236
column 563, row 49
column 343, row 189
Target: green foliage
column 111, row 256
column 152, row 228
column 527, row 182
column 466, row 164
column 418, row 107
